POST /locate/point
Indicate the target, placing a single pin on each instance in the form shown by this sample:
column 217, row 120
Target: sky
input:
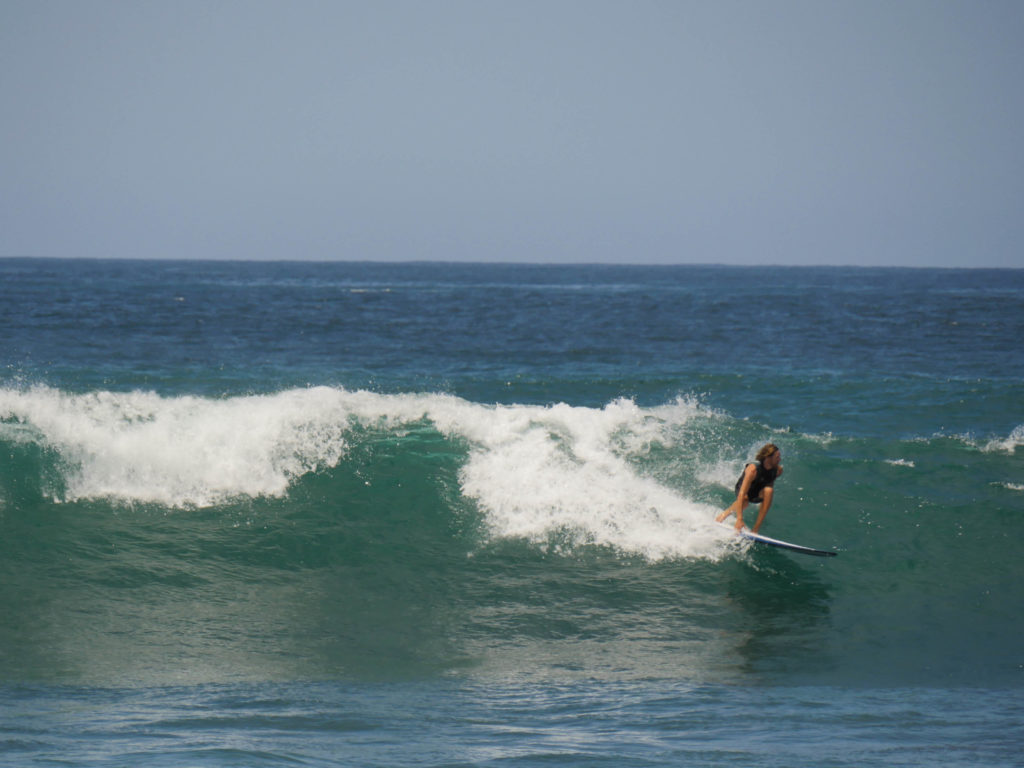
column 561, row 131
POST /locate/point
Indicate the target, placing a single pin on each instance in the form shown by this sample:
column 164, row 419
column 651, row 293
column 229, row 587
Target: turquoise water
column 424, row 514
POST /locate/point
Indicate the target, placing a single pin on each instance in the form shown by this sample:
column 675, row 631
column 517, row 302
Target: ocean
column 424, row 514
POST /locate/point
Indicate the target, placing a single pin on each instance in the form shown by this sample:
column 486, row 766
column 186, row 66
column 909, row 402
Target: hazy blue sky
column 816, row 132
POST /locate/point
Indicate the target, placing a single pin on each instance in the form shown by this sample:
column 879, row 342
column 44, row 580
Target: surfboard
column 787, row 545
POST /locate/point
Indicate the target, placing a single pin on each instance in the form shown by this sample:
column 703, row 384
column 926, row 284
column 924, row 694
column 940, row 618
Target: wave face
column 316, row 524
column 222, row 473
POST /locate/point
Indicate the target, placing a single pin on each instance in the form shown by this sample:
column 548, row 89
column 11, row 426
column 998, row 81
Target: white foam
column 1008, row 444
column 540, row 470
column 181, row 451
column 901, row 463
column 533, row 471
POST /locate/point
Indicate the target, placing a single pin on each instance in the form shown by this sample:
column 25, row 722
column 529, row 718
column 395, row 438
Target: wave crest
column 533, row 471
column 1008, row 444
column 180, row 451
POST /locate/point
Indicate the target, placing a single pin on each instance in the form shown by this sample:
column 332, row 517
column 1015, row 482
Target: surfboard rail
column 787, row 545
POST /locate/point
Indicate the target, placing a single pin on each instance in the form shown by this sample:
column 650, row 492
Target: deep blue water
column 461, row 514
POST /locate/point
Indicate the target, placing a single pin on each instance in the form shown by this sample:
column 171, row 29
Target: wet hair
column 766, row 451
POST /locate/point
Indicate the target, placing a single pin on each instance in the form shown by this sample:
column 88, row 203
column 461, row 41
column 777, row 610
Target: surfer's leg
column 725, row 513
column 736, row 507
column 766, row 502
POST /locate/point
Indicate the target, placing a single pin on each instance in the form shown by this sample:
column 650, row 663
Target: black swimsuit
column 765, row 478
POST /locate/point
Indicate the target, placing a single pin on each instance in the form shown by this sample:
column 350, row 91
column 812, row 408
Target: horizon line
column 505, row 263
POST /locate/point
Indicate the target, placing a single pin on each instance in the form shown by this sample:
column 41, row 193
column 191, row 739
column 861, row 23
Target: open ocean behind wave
column 446, row 514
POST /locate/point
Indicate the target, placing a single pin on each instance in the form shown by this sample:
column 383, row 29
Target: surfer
column 756, row 486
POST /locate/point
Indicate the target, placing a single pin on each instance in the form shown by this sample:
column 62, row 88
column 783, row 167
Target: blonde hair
column 766, row 451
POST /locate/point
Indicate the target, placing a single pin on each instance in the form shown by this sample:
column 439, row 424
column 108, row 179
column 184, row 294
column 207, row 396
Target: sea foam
column 538, row 470
column 180, row 451
column 533, row 471
column 1008, row 444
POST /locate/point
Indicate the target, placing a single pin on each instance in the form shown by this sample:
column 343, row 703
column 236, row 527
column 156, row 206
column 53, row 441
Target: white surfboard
column 787, row 545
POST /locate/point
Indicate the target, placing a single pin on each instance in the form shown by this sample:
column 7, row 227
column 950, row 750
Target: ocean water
column 274, row 514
